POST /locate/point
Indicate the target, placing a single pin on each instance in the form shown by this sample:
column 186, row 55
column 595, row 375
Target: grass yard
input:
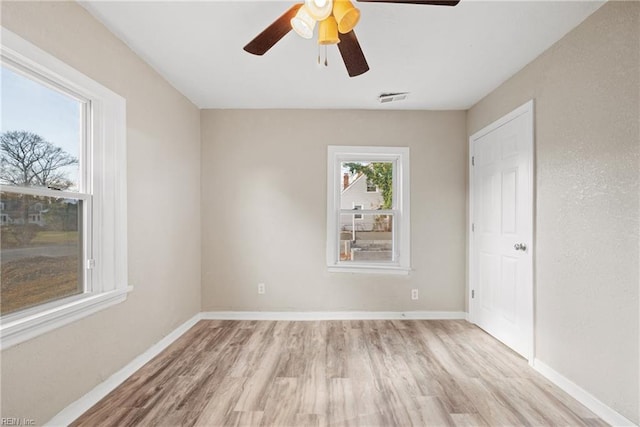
column 54, row 237
column 30, row 281
column 42, row 238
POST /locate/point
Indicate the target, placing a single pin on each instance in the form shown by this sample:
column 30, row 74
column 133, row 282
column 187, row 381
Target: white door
column 501, row 260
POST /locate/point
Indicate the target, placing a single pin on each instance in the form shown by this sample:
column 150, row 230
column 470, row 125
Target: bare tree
column 29, row 160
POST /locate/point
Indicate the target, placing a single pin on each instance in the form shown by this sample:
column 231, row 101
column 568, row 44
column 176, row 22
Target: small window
column 376, row 239
column 62, row 147
column 357, row 208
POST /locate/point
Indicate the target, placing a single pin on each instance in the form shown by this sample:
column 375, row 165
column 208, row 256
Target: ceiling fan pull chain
column 318, row 54
column 326, row 62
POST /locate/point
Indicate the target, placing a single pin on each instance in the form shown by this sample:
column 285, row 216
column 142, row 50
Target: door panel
column 508, row 288
column 509, row 211
column 502, row 200
column 489, row 266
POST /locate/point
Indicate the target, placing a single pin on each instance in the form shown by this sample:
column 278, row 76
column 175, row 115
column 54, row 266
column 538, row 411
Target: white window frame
column 105, row 156
column 401, row 263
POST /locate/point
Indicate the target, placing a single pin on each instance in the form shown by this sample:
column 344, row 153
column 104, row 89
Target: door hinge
column 473, row 293
column 473, row 160
column 91, row 263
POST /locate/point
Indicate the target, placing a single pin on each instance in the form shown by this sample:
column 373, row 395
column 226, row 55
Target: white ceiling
column 446, row 57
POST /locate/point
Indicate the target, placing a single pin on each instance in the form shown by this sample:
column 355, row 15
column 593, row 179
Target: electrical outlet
column 261, row 288
column 414, row 294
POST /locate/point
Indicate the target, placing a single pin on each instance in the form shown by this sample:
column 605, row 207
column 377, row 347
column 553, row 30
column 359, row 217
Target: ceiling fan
column 336, row 19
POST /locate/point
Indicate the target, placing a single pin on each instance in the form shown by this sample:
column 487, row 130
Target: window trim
column 106, row 181
column 401, row 208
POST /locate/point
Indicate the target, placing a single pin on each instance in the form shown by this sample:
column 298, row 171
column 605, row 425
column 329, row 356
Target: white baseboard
column 333, row 315
column 80, row 406
column 581, row 395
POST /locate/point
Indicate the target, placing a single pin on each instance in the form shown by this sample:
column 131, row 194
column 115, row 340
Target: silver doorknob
column 520, row 247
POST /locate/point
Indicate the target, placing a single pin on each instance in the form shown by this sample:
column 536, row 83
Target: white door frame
column 525, row 109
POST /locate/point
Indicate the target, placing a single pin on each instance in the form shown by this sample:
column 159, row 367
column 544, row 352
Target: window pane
column 41, row 250
column 41, row 134
column 366, row 184
column 367, row 239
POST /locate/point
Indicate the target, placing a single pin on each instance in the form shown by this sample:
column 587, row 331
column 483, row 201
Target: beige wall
column 43, row 375
column 264, row 209
column 586, row 89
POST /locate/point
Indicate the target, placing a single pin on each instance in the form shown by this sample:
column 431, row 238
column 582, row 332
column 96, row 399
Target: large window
column 368, row 231
column 42, row 138
column 62, row 191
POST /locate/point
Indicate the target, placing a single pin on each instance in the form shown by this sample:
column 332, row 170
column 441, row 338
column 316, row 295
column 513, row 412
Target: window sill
column 369, row 269
column 21, row 329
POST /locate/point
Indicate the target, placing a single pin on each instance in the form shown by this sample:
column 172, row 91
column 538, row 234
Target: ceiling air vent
column 391, row 97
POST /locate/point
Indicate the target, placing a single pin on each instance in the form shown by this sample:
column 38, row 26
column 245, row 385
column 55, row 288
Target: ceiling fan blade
column 273, row 33
column 429, row 2
column 352, row 54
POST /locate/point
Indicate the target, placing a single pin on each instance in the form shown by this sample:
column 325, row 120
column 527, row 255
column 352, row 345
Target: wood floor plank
column 313, row 384
column 336, row 343
column 490, row 406
column 343, row 409
column 468, row 420
column 365, row 386
column 221, row 404
column 432, row 412
column 337, row 373
column 244, row 419
column 554, row 410
column 283, row 403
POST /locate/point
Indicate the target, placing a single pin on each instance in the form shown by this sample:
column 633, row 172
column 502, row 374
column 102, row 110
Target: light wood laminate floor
column 338, row 373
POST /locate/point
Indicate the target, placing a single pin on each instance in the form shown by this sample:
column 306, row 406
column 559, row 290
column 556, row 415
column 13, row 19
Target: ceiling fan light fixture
column 328, row 31
column 303, row 23
column 319, row 9
column 346, row 15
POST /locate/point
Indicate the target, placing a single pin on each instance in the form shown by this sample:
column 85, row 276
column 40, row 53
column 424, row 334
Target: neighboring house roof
column 352, row 183
column 356, row 194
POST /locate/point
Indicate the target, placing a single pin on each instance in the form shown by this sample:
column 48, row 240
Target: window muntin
column 379, row 239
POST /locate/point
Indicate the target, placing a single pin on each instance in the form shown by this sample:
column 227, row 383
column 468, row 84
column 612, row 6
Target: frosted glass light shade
column 318, row 9
column 303, row 23
column 346, row 15
column 328, row 31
